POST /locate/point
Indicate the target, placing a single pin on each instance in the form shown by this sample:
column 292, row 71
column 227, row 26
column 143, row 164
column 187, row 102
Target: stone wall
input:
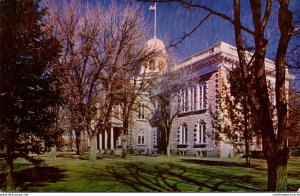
column 191, row 118
column 149, row 131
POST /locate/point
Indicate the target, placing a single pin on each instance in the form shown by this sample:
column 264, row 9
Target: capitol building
column 203, row 76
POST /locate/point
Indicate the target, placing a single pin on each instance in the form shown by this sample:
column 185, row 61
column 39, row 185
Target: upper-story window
column 141, row 137
column 156, row 104
column 202, row 96
column 141, row 111
column 193, row 98
column 184, row 102
column 117, row 112
column 200, row 133
column 237, row 138
column 182, row 135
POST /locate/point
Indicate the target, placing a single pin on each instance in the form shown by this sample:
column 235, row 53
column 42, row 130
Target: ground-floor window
column 183, row 132
column 141, row 137
column 200, row 132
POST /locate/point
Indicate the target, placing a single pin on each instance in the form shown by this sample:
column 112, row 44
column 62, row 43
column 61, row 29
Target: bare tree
column 64, row 24
column 104, row 52
column 274, row 139
column 166, row 94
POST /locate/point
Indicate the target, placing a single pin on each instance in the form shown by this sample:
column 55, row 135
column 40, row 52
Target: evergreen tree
column 29, row 87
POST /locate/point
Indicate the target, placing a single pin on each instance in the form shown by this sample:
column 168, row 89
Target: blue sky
column 173, row 20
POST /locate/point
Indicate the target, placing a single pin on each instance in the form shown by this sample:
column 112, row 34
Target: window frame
column 141, row 111
column 201, row 133
column 193, row 98
column 141, row 137
column 183, row 134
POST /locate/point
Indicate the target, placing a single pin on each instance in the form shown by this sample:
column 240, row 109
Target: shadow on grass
column 216, row 163
column 176, row 178
column 35, row 177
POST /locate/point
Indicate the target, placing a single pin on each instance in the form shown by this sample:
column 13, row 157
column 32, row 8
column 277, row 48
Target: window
column 156, row 104
column 141, row 111
column 202, row 96
column 141, row 137
column 184, row 100
column 238, row 138
column 117, row 112
column 155, row 138
column 179, row 102
column 200, row 132
column 193, row 98
column 183, row 131
column 152, row 64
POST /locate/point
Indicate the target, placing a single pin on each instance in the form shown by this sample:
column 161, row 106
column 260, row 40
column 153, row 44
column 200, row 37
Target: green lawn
column 148, row 174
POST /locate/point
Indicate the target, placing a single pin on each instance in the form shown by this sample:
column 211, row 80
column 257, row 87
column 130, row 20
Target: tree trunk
column 167, row 140
column 168, row 151
column 77, row 141
column 124, row 146
column 123, row 138
column 9, row 179
column 93, row 148
column 277, row 172
column 247, row 148
column 247, row 154
column 163, row 142
column 81, row 144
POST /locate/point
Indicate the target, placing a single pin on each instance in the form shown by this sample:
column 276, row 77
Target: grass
column 148, row 174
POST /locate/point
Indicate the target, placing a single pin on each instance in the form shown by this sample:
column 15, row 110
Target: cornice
column 221, row 52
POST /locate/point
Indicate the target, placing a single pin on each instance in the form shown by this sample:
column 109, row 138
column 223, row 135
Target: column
column 100, row 141
column 105, row 139
column 111, row 138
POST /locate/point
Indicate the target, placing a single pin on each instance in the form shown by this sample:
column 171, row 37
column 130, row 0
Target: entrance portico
column 109, row 139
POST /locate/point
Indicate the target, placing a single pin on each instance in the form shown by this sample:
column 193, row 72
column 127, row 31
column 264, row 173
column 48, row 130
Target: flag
column 152, row 7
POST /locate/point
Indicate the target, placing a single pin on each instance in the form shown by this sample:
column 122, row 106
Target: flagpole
column 155, row 20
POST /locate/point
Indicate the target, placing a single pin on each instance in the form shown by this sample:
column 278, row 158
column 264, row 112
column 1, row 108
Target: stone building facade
column 192, row 130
